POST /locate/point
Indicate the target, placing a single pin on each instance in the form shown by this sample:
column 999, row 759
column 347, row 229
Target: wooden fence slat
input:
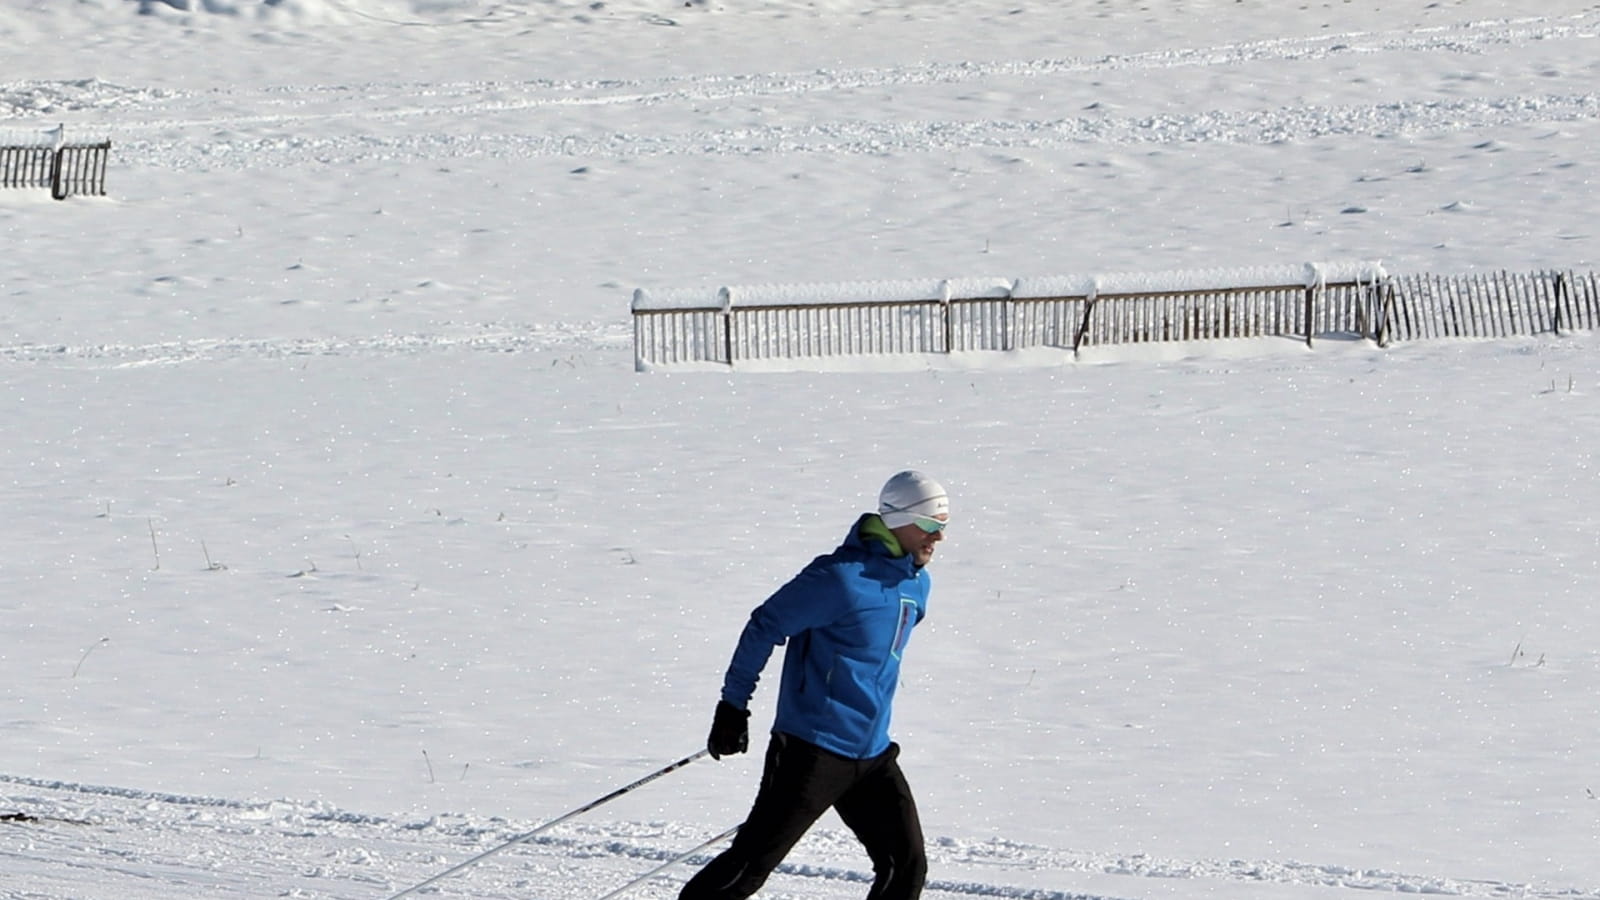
column 1589, row 314
column 1405, row 300
column 1504, row 325
column 1447, row 308
column 1522, row 290
column 1508, row 316
column 1482, row 307
column 1540, row 301
column 1483, row 301
column 1517, row 288
column 1534, row 302
column 1499, row 325
column 1490, row 325
column 1437, row 306
column 1574, row 290
column 1503, row 290
column 1495, row 319
column 1519, row 322
column 1532, row 322
column 1432, row 307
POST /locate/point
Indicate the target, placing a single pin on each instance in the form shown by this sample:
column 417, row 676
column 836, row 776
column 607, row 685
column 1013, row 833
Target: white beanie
column 908, row 495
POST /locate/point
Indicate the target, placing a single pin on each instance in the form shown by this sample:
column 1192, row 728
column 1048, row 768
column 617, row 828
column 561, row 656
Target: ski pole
column 553, row 823
column 670, row 863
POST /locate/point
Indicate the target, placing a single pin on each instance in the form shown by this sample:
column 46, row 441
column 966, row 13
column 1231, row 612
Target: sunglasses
column 929, row 526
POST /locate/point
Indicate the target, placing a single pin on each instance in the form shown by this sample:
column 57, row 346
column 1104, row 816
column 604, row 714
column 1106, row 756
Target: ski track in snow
column 491, row 338
column 137, row 842
column 298, row 117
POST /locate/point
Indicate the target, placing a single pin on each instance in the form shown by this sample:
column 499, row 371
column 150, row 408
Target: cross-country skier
column 845, row 619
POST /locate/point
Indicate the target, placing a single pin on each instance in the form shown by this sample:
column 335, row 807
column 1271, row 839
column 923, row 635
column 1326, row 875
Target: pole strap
column 523, row 838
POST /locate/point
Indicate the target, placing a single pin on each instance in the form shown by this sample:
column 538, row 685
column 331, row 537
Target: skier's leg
column 883, row 815
column 798, row 785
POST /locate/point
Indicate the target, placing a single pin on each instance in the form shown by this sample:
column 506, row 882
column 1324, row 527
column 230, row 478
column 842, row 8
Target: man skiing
column 845, row 619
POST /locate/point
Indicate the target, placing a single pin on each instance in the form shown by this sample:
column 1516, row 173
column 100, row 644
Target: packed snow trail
column 558, row 340
column 305, row 104
column 57, row 836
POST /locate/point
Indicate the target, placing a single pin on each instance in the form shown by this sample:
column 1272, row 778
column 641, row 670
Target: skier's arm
column 810, row 599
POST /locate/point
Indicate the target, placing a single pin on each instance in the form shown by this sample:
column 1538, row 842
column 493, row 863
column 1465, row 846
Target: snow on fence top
column 48, row 137
column 933, row 290
column 1309, row 275
column 15, row 138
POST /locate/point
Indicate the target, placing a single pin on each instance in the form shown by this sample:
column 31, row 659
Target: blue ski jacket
column 846, row 619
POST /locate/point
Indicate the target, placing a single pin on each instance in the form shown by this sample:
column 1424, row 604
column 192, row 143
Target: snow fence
column 49, row 161
column 1302, row 301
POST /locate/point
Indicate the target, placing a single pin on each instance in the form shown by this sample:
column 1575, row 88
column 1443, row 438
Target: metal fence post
column 1083, row 325
column 949, row 319
column 1311, row 295
column 1384, row 292
column 1560, row 288
column 725, row 298
column 56, row 190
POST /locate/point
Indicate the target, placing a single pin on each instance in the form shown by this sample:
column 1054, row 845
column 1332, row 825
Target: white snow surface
column 344, row 543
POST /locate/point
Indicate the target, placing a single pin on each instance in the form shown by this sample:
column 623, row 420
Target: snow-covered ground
column 345, row 543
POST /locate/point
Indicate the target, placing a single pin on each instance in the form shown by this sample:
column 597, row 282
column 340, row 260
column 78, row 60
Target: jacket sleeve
column 810, row 599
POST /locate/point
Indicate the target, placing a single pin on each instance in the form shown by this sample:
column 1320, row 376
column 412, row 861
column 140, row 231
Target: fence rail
column 66, row 170
column 1365, row 302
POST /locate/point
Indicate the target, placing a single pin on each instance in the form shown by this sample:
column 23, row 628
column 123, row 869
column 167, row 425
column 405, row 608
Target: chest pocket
column 907, row 617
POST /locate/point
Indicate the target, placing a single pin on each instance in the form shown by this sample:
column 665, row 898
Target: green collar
column 873, row 529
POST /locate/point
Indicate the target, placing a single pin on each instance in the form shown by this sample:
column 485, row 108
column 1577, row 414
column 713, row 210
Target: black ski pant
column 800, row 782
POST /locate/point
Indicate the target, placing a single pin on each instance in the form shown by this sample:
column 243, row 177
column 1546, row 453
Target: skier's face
column 918, row 542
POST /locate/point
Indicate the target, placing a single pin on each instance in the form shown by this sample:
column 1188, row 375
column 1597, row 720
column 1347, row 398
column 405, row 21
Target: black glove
column 730, row 731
